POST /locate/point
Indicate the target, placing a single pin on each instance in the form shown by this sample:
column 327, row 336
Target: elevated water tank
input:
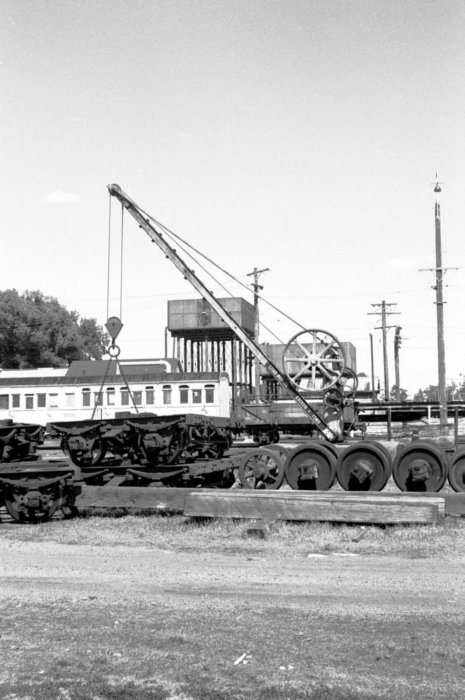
column 195, row 318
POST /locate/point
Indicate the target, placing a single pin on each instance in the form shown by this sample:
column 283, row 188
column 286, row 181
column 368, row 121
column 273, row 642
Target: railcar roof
column 153, row 378
column 97, row 368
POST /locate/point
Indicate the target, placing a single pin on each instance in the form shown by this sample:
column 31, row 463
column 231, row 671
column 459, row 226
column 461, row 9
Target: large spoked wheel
column 207, row 443
column 261, row 469
column 456, row 473
column 420, row 467
column 365, row 466
column 279, row 450
column 313, row 360
column 311, row 467
column 348, row 383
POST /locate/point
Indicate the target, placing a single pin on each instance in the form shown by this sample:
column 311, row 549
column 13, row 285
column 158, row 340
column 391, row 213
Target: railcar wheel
column 456, row 473
column 266, row 438
column 280, row 450
column 176, row 446
column 313, row 360
column 261, row 469
column 365, row 466
column 207, row 443
column 80, row 454
column 69, row 512
column 311, row 467
column 32, row 505
column 420, row 466
column 212, row 452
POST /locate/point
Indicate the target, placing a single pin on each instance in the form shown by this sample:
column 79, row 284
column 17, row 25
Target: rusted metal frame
column 155, row 476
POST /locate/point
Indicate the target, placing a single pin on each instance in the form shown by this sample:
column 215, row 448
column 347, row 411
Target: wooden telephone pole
column 384, row 327
column 397, row 344
column 439, row 272
column 442, row 391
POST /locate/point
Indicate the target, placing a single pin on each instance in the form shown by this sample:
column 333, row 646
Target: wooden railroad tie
column 343, row 506
column 331, row 507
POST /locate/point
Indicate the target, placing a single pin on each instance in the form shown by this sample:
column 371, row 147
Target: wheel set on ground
column 263, row 468
column 421, row 466
column 365, row 466
column 311, row 467
column 456, row 473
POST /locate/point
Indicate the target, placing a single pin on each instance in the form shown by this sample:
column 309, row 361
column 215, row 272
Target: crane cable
column 109, row 248
column 197, row 262
column 121, row 266
column 114, row 357
column 108, row 258
column 235, row 279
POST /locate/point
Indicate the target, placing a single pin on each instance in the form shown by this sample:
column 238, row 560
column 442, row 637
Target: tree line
column 37, row 331
column 430, row 394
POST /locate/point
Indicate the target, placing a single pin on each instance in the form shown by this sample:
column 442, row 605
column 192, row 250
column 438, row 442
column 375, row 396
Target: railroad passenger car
column 99, row 388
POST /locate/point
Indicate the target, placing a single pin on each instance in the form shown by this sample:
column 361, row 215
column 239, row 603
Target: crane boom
column 329, row 433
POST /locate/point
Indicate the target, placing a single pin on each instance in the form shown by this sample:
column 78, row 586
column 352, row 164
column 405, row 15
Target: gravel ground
column 390, row 625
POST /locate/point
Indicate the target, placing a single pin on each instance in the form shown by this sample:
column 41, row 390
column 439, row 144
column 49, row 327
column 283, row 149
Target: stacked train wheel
column 262, row 468
column 311, row 467
column 420, row 466
column 365, row 466
column 456, row 473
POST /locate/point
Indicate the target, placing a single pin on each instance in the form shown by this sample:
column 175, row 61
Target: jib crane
column 331, row 429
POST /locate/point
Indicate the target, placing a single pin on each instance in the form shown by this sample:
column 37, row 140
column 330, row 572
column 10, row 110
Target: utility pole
column 397, row 344
column 439, row 272
column 256, row 288
column 442, row 395
column 384, row 328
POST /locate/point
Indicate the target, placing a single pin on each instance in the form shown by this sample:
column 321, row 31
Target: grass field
column 285, row 538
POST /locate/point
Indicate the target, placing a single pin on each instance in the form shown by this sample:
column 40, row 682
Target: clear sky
column 300, row 135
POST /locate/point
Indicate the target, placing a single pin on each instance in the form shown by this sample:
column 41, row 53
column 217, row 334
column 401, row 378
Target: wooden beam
column 361, row 508
column 172, row 500
column 455, row 504
column 169, row 500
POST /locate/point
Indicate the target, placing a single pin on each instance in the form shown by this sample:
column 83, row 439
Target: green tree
column 419, row 396
column 37, row 331
column 454, row 392
column 403, row 393
column 431, row 393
